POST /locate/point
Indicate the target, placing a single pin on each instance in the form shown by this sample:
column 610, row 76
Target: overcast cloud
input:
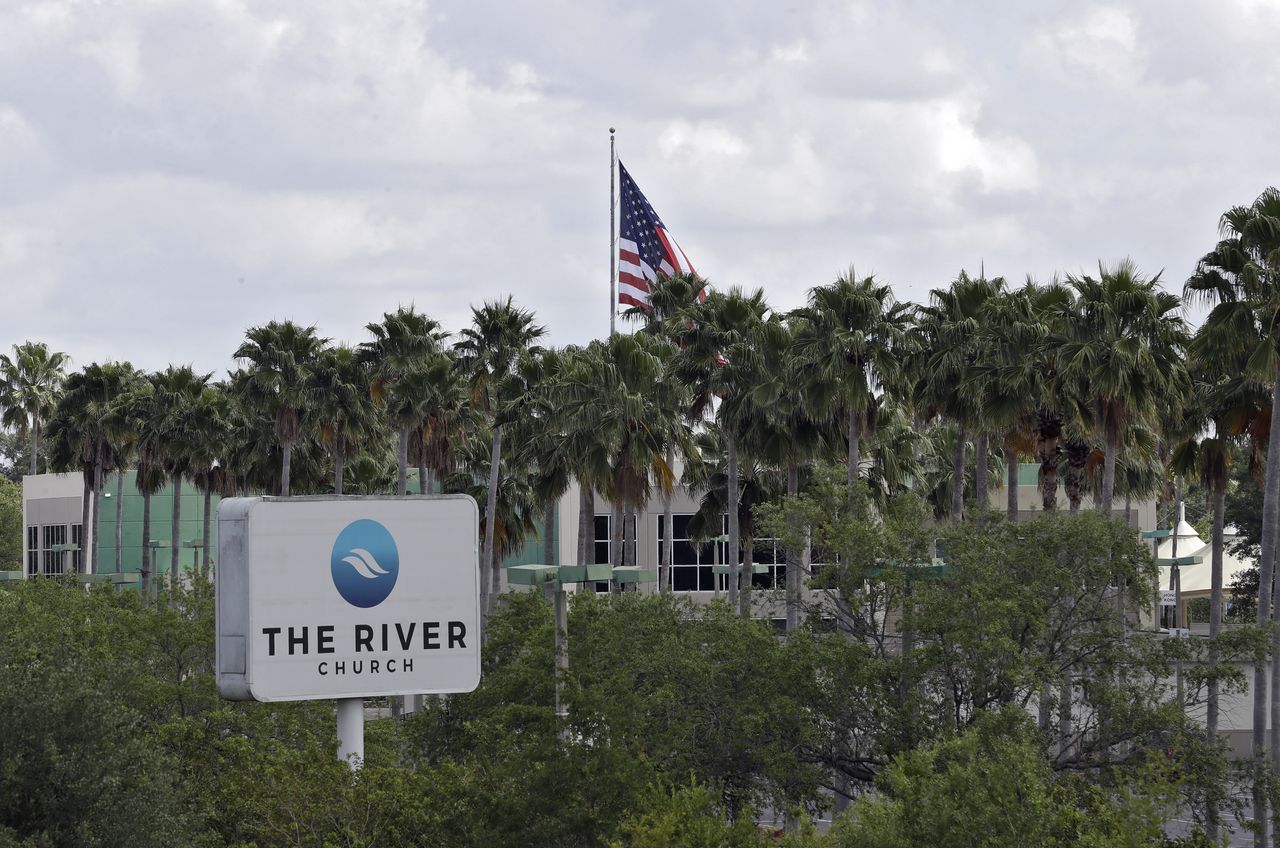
column 174, row 172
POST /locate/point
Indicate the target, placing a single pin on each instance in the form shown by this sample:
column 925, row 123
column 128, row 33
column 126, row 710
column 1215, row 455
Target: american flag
column 645, row 248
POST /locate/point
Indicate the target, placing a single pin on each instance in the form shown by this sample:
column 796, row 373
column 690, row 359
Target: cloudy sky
column 173, row 172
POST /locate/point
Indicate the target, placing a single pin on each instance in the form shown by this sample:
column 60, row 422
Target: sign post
column 347, row 598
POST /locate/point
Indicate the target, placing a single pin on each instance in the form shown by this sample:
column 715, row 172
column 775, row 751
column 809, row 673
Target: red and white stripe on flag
column 635, row 276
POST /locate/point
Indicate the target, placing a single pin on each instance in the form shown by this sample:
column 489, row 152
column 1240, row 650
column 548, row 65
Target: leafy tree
column 74, row 766
column 991, row 787
column 690, row 816
column 11, row 530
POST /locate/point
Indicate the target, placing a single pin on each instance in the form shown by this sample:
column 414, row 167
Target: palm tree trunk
column 146, row 547
column 86, row 509
column 1215, row 627
column 175, row 534
column 586, row 525
column 732, row 554
column 286, row 448
column 631, row 532
column 793, row 554
column 1109, row 469
column 95, row 567
column 422, row 474
column 855, row 443
column 119, row 516
column 748, row 574
column 35, row 444
column 548, row 538
column 1275, row 682
column 402, row 463
column 616, row 536
column 957, row 477
column 668, row 539
column 206, row 531
column 1270, row 516
column 1011, row 483
column 339, row 466
column 489, row 568
column 980, row 483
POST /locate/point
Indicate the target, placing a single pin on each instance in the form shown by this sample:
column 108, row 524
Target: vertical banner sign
column 347, row 597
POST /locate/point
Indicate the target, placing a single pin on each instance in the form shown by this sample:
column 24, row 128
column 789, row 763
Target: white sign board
column 347, row 597
column 1168, row 598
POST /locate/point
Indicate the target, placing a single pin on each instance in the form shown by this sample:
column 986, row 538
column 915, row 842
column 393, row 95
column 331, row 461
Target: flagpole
column 613, row 237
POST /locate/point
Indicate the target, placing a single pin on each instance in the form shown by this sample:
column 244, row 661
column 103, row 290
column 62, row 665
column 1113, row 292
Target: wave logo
column 365, row 563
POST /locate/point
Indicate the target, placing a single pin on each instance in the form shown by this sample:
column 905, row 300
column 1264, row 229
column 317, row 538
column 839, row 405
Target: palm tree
column 1024, row 398
column 282, row 357
column 30, row 380
column 670, row 300
column 177, row 395
column 209, row 428
column 953, row 361
column 789, row 429
column 722, row 346
column 448, row 420
column 122, row 433
column 577, row 442
column 489, row 352
column 1241, row 278
column 83, row 421
column 622, row 387
column 540, row 438
column 855, row 335
column 138, row 406
column 344, row 406
column 1231, row 405
column 515, row 504
column 1123, row 347
column 404, row 345
column 760, row 483
column 434, row 398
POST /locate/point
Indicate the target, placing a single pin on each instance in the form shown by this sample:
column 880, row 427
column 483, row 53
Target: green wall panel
column 191, row 527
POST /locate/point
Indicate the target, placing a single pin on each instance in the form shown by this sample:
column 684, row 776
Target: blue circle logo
column 365, row 563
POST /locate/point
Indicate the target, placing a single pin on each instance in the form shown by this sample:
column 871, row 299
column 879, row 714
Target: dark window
column 602, row 539
column 33, row 550
column 691, row 562
column 767, row 552
column 603, row 543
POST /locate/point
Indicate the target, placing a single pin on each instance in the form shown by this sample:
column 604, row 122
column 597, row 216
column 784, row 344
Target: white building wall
column 51, row 499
